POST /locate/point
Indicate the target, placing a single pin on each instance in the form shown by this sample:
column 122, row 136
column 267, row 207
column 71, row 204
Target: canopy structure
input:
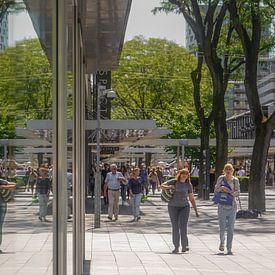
column 103, row 28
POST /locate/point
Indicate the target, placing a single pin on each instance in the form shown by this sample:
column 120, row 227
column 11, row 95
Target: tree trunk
column 257, row 169
column 221, row 142
column 205, row 130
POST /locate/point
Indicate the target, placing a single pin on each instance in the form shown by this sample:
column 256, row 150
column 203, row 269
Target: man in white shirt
column 112, row 181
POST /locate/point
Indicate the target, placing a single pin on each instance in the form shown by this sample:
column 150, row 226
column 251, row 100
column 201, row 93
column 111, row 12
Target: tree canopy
column 153, row 80
column 26, row 81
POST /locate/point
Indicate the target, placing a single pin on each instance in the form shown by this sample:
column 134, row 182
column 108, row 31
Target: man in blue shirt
column 112, row 182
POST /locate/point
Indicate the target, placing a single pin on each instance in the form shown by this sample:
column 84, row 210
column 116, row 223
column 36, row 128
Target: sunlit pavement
column 143, row 247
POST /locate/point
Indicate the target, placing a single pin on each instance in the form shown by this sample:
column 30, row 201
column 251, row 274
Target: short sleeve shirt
column 180, row 197
column 112, row 180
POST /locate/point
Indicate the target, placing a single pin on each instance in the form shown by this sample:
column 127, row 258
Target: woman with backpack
column 179, row 208
column 228, row 187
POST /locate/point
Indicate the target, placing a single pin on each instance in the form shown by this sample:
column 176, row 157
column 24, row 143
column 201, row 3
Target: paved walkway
column 142, row 247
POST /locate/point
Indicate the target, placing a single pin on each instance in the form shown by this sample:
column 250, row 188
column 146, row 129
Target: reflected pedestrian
column 135, row 189
column 43, row 187
column 5, row 191
column 112, row 182
column 154, row 180
column 227, row 183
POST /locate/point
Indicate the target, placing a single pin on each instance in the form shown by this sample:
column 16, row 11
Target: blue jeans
column 43, row 205
column 136, row 199
column 227, row 218
column 3, row 210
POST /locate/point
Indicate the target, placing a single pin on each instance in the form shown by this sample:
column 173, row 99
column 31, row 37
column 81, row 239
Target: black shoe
column 175, row 251
column 109, row 218
column 185, row 249
column 229, row 252
column 116, row 218
column 221, row 247
column 138, row 218
column 40, row 218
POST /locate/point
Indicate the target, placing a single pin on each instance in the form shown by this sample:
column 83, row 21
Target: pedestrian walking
column 160, row 175
column 32, row 178
column 135, row 189
column 124, row 186
column 154, row 180
column 143, row 174
column 104, row 173
column 112, row 182
column 43, row 187
column 5, row 189
column 229, row 184
column 179, row 208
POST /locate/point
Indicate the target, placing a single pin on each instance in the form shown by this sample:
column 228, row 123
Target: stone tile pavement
column 142, row 247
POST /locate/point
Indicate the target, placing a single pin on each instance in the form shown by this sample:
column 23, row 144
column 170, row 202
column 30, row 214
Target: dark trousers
column 3, row 210
column 179, row 218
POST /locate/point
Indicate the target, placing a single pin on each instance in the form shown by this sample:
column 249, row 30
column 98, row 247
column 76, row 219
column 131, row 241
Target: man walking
column 112, row 182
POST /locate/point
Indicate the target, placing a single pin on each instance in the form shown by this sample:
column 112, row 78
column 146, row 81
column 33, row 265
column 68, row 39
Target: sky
column 141, row 22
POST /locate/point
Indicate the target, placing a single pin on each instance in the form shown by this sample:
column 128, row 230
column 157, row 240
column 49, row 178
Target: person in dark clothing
column 179, row 208
column 143, row 174
column 104, row 172
column 43, row 187
column 135, row 189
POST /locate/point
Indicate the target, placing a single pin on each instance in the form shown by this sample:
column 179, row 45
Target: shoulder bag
column 167, row 194
column 223, row 197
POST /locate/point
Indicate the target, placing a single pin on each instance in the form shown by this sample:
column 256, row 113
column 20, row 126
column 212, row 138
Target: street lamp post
column 101, row 92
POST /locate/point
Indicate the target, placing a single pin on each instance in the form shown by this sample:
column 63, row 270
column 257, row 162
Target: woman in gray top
column 227, row 213
column 179, row 208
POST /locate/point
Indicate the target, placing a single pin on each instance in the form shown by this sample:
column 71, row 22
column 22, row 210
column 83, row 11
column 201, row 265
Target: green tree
column 7, row 127
column 26, row 81
column 153, row 82
column 207, row 20
column 249, row 18
column 153, row 75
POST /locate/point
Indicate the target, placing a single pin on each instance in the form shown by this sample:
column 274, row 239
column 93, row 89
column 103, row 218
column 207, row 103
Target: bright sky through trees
column 141, row 22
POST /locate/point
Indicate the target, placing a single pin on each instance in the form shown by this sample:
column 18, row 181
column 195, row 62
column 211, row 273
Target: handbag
column 167, row 194
column 6, row 195
column 223, row 197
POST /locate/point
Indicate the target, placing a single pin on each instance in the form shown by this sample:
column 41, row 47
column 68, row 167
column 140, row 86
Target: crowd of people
column 131, row 184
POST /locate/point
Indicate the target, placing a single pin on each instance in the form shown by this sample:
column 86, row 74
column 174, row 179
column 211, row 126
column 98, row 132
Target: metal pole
column 78, row 133
column 178, row 157
column 97, row 200
column 5, row 151
column 59, row 46
column 182, row 154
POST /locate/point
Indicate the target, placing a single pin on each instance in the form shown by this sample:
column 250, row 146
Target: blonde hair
column 228, row 165
column 183, row 171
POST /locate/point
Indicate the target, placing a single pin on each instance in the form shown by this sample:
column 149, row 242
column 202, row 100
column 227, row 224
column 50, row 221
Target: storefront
column 80, row 37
